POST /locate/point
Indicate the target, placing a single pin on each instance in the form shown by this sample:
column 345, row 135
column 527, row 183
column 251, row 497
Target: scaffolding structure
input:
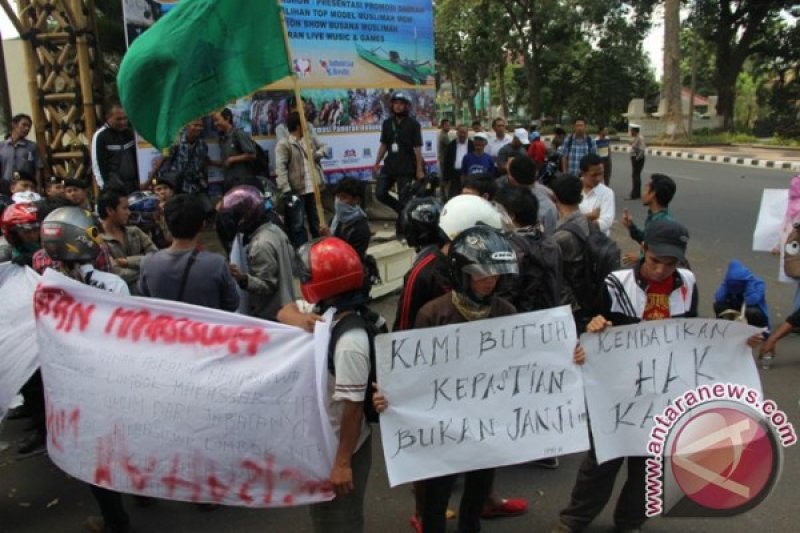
column 63, row 78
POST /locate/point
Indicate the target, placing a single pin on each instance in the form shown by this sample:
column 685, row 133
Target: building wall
column 17, row 75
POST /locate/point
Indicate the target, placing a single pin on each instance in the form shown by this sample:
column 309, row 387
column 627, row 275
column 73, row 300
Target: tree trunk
column 501, row 83
column 473, row 113
column 671, row 81
column 532, row 73
column 727, row 72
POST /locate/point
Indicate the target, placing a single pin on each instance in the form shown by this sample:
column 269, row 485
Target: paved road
column 718, row 203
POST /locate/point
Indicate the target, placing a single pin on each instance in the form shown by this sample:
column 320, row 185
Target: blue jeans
column 296, row 215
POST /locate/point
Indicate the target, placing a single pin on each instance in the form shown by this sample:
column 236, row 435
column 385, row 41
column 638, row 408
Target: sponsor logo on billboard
column 336, row 68
column 302, row 67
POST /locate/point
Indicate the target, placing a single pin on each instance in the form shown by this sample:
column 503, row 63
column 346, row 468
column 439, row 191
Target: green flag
column 199, row 56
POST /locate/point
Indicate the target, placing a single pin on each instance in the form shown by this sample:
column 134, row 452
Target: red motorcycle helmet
column 19, row 217
column 329, row 267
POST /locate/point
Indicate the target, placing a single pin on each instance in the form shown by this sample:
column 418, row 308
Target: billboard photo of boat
column 407, row 70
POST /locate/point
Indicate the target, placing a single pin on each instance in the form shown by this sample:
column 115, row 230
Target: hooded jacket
column 740, row 285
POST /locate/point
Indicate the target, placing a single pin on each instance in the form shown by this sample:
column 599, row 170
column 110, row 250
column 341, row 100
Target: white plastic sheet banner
column 180, row 402
column 18, row 349
column 633, row 373
column 480, row 394
column 769, row 225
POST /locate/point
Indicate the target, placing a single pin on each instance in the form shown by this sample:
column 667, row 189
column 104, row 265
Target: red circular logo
column 723, row 458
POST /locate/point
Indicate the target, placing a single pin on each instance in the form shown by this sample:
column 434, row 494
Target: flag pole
column 315, row 178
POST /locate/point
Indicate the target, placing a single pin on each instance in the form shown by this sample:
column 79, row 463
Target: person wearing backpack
column 588, row 256
column 295, row 184
column 478, row 257
column 575, row 147
column 522, row 172
column 332, row 277
column 430, row 228
column 598, row 199
column 538, row 285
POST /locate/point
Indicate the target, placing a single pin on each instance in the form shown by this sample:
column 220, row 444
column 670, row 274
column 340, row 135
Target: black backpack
column 601, row 257
column 260, row 165
column 538, row 285
column 345, row 324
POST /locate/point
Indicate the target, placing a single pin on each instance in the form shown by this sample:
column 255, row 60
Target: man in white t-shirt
column 332, row 277
column 499, row 138
column 598, row 199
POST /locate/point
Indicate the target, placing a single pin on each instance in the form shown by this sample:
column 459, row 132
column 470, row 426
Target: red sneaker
column 505, row 507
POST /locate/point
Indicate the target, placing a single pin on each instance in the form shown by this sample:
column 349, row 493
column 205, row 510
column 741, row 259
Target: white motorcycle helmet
column 466, row 210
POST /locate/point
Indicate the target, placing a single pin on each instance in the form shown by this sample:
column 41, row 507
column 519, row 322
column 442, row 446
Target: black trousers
column 753, row 314
column 593, row 489
column 385, row 184
column 607, row 170
column 111, row 508
column 33, row 393
column 636, row 177
column 477, row 486
column 453, row 187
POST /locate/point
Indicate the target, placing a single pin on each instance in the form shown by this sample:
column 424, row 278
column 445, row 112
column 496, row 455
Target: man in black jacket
column 114, row 153
column 456, row 151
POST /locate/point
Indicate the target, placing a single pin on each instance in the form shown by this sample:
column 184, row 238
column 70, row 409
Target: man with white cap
column 518, row 146
column 478, row 161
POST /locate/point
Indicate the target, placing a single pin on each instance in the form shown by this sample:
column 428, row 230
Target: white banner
column 478, row 395
column 17, row 331
column 633, row 372
column 180, row 402
column 769, row 225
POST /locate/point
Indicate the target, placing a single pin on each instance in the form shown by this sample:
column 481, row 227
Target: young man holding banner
column 64, row 238
column 331, row 275
column 655, row 289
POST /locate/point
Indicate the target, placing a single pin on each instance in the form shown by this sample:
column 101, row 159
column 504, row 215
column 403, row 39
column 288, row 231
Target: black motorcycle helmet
column 419, row 222
column 481, row 251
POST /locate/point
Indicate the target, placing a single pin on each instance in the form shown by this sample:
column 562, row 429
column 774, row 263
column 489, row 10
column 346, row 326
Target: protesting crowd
column 514, row 224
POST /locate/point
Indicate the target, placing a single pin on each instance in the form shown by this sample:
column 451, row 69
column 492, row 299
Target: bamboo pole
column 85, row 74
column 303, row 123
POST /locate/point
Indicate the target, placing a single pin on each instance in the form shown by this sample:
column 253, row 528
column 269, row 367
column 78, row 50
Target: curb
column 709, row 158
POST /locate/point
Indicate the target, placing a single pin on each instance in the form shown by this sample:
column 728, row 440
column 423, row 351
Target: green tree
column 551, row 37
column 705, row 58
column 468, row 45
column 736, row 27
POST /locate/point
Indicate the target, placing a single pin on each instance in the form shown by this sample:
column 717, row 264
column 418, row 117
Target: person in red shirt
column 537, row 150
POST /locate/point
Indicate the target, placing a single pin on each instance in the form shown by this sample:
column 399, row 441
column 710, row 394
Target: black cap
column 20, row 175
column 666, row 238
column 54, row 180
column 75, row 182
column 163, row 180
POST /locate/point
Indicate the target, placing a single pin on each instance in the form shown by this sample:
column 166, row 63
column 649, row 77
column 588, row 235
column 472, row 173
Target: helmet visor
column 478, row 272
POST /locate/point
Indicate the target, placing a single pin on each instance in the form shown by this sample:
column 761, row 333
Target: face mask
column 344, row 213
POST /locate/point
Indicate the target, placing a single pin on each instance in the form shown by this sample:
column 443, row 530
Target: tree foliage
column 737, row 29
